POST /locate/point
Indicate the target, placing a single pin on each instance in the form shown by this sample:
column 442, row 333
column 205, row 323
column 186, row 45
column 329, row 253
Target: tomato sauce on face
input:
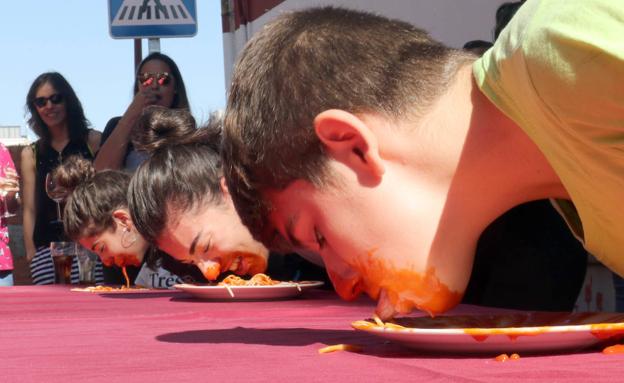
column 257, row 263
column 212, row 272
column 406, row 289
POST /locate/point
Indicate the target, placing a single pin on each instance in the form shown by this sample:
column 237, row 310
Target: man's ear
column 122, row 218
column 349, row 140
column 224, row 187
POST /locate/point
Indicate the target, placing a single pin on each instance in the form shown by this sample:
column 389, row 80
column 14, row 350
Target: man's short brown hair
column 304, row 63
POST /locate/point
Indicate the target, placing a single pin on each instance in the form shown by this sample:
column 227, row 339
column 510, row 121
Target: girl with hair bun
column 179, row 202
column 96, row 215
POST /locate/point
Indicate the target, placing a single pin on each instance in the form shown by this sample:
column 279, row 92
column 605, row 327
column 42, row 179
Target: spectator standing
column 56, row 116
column 158, row 81
column 8, row 183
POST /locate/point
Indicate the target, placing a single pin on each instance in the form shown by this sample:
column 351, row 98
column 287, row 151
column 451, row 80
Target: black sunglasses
column 147, row 79
column 56, row 99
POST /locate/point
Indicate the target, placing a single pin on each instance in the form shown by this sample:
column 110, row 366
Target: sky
column 72, row 37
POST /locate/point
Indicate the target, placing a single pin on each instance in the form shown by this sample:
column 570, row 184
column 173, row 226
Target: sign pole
column 138, row 53
column 153, row 45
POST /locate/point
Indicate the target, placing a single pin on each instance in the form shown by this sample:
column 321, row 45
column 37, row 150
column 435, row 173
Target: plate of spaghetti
column 126, row 288
column 258, row 287
column 527, row 332
column 102, row 289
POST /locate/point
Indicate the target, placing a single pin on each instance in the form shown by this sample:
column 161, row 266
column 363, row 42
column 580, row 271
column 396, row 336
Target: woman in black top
column 158, row 82
column 57, row 118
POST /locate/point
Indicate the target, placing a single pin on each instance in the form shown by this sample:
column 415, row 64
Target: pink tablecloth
column 50, row 334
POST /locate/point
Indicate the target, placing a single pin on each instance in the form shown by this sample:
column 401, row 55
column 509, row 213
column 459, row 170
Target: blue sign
column 130, row 19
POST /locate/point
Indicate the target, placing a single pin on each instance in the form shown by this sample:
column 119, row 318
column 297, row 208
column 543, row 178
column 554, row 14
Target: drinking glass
column 56, row 192
column 62, row 254
column 87, row 260
column 9, row 188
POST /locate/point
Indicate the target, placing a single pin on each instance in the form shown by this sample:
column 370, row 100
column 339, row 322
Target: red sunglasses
column 147, row 79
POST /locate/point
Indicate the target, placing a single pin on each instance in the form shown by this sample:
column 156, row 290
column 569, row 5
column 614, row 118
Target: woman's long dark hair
column 77, row 123
column 183, row 171
column 180, row 100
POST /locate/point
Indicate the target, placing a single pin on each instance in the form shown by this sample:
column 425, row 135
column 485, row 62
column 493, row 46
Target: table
column 51, row 334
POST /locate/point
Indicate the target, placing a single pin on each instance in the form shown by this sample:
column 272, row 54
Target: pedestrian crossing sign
column 132, row 19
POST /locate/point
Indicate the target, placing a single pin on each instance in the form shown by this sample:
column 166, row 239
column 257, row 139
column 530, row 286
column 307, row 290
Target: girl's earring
column 128, row 238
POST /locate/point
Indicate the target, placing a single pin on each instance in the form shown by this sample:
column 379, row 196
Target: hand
column 143, row 98
column 30, row 254
column 147, row 96
column 10, row 181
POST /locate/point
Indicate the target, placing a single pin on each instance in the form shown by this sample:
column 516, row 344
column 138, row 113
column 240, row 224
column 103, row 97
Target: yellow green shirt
column 557, row 70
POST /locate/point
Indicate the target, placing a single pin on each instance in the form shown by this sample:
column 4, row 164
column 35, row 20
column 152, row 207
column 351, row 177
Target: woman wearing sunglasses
column 56, row 116
column 158, row 82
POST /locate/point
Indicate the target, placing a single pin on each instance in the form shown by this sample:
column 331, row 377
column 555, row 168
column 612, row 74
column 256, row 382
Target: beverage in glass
column 62, row 254
column 9, row 190
column 56, row 192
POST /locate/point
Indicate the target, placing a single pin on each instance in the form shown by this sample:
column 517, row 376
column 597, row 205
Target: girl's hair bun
column 159, row 126
column 74, row 171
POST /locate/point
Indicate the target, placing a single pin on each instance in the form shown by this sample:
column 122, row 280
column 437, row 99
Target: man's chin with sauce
column 424, row 292
column 396, row 292
column 392, row 303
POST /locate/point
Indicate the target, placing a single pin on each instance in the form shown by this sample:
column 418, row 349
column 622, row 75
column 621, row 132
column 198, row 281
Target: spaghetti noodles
column 125, row 274
column 340, row 347
column 125, row 287
column 99, row 289
column 257, row 280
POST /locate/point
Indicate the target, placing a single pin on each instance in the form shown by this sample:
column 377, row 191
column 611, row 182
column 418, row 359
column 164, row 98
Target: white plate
column 529, row 332
column 241, row 293
column 118, row 291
